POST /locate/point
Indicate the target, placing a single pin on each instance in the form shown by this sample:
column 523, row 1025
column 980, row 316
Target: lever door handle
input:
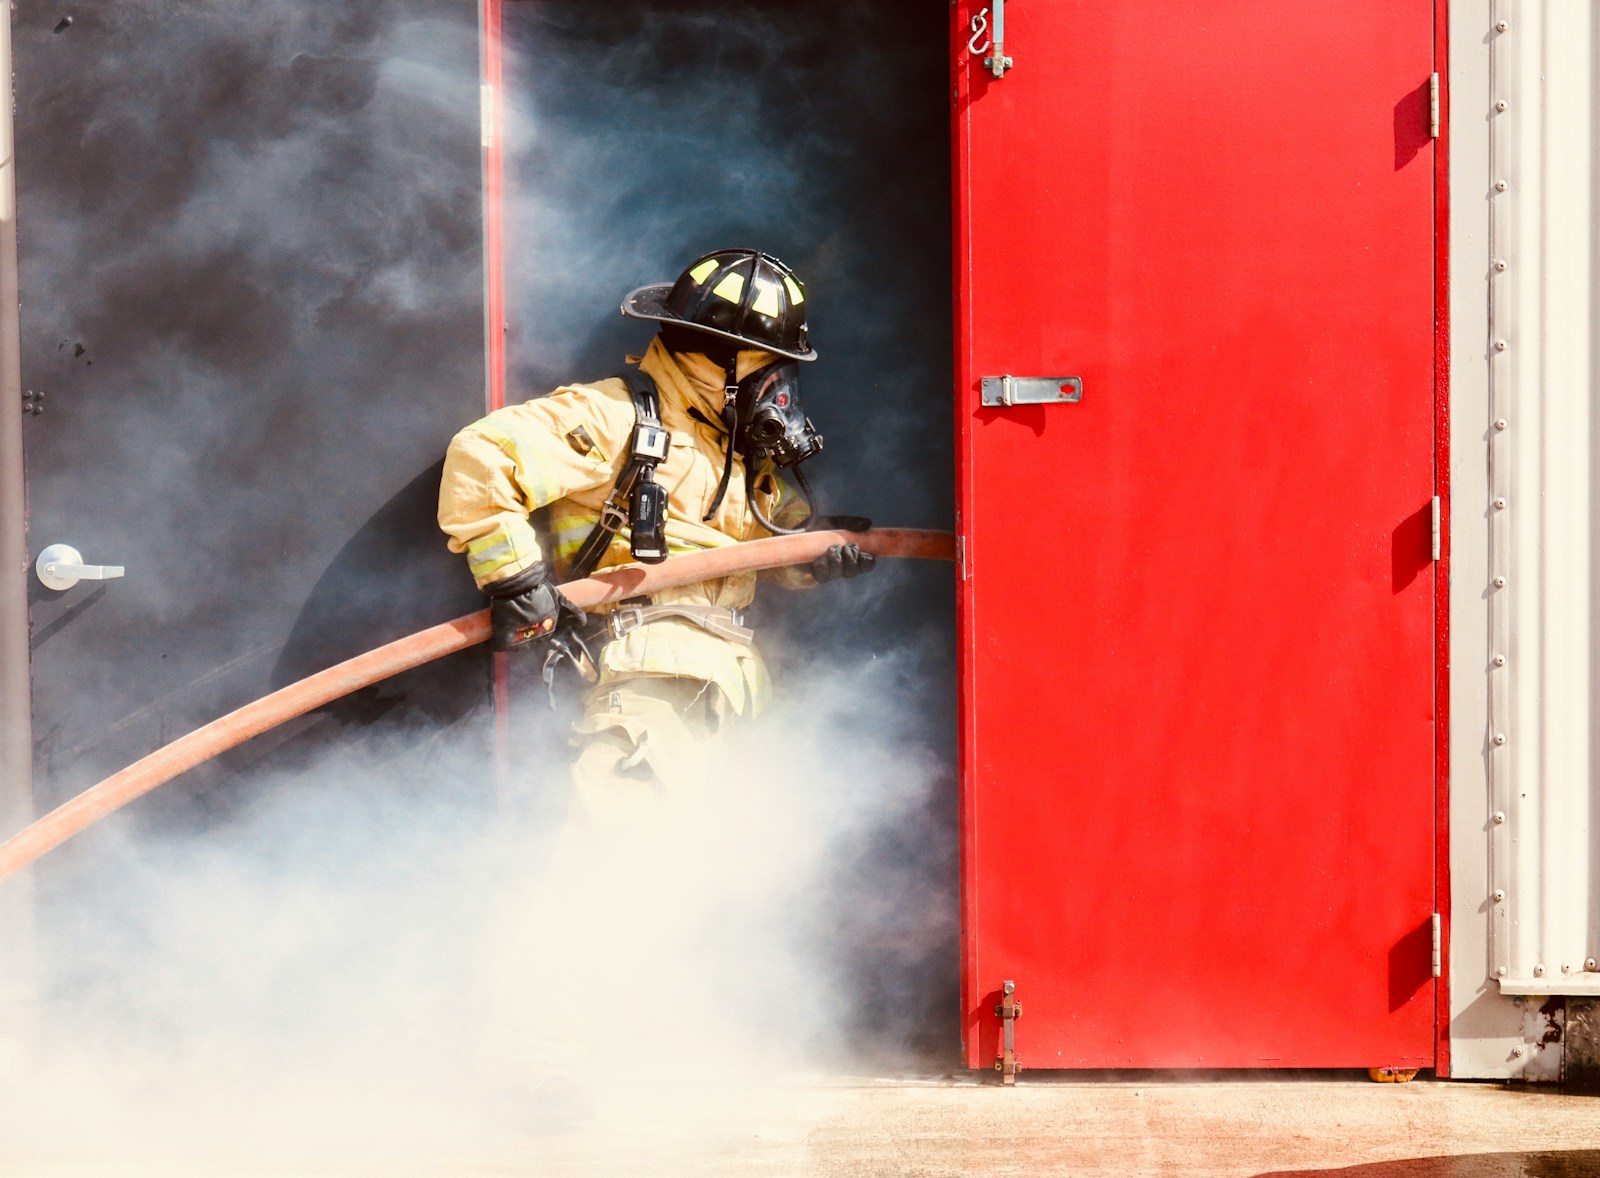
column 61, row 566
column 1030, row 390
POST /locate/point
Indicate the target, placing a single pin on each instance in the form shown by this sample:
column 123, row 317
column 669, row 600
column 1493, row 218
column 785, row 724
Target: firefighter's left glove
column 842, row 560
column 526, row 610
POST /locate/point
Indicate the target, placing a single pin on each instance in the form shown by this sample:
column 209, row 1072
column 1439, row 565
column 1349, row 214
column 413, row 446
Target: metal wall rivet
column 1501, row 26
column 1590, row 963
column 1516, row 1052
column 1538, row 971
column 1499, row 895
column 1499, row 423
column 1500, row 185
column 1500, row 345
column 1500, row 971
column 1499, row 660
column 1500, row 265
column 1499, row 738
column 1501, row 104
column 1499, row 582
column 1566, row 967
column 1499, row 817
column 1500, row 503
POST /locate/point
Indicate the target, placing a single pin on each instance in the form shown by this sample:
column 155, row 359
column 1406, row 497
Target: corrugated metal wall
column 1524, row 856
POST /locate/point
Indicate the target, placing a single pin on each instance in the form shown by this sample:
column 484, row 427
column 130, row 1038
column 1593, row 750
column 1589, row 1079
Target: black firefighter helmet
column 741, row 295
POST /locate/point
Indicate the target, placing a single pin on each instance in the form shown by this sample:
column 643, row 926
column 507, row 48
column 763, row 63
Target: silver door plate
column 1031, row 390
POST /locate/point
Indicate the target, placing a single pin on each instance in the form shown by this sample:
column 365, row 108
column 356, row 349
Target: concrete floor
column 840, row 1128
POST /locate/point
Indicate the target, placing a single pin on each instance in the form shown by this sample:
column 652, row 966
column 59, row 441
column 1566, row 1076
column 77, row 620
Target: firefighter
column 699, row 445
column 670, row 670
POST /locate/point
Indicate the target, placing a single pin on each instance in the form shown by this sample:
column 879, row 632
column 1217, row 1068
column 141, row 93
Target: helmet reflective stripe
column 731, row 288
column 767, row 302
column 704, row 270
column 796, row 295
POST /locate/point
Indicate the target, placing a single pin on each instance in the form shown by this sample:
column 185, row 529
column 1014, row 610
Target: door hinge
column 1438, row 528
column 1438, row 949
column 961, row 558
column 1433, row 106
column 1008, row 1010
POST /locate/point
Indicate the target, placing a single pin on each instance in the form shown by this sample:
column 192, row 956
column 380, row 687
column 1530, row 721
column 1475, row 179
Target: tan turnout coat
column 564, row 452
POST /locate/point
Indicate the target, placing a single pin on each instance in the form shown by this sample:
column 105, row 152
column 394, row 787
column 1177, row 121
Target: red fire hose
column 299, row 698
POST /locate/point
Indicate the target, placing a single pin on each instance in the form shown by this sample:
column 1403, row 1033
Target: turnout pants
column 594, row 966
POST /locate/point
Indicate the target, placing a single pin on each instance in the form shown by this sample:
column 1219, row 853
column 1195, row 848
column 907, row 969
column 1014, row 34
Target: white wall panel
column 1522, row 653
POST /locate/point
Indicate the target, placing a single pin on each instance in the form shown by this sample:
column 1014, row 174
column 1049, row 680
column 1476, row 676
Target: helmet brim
column 650, row 302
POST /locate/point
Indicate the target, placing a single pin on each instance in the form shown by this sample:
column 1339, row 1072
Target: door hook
column 980, row 26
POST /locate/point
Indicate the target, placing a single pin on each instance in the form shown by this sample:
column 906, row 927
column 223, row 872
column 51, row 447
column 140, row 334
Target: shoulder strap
column 648, row 448
column 646, row 397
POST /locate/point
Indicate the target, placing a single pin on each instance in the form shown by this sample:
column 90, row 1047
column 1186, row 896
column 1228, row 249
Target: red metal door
column 1198, row 604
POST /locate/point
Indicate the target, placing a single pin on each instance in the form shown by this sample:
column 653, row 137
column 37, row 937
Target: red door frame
column 494, row 308
column 1441, row 409
column 1441, row 572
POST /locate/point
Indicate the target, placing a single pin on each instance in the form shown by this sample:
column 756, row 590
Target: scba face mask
column 770, row 421
column 769, row 424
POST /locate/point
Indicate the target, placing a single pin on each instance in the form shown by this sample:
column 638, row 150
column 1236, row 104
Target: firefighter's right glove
column 526, row 610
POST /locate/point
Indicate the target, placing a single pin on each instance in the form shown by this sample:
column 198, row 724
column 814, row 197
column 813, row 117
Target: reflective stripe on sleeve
column 512, row 542
column 536, row 482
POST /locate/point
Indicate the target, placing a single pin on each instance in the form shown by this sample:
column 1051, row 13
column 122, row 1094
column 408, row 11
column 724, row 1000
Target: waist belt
column 714, row 619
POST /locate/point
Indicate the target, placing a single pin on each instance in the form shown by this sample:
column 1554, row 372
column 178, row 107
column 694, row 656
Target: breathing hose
column 298, row 698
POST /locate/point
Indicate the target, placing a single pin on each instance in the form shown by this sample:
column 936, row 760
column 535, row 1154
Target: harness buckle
column 624, row 619
column 612, row 517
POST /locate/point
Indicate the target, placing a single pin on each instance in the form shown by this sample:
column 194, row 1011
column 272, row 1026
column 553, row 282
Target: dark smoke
column 252, row 282
column 647, row 133
column 252, row 291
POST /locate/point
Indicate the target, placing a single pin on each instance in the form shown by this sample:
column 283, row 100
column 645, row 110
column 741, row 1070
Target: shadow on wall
column 387, row 581
column 1573, row 1163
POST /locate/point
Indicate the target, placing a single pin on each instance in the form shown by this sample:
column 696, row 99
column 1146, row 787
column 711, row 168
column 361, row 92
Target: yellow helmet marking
column 797, row 295
column 767, row 302
column 703, row 271
column 730, row 288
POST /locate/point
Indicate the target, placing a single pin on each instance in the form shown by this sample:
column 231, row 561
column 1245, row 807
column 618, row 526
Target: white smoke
column 311, row 981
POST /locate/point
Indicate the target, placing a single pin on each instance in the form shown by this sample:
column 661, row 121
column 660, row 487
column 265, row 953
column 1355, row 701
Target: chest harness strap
column 637, row 499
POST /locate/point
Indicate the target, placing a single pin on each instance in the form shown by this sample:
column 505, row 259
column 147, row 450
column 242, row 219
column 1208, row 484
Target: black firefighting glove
column 526, row 610
column 842, row 560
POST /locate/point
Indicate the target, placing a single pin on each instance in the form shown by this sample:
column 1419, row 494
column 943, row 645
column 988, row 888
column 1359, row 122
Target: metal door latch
column 1031, row 390
column 1008, row 1010
column 61, row 566
column 998, row 63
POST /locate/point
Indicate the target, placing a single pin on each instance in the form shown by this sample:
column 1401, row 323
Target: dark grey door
column 252, row 311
